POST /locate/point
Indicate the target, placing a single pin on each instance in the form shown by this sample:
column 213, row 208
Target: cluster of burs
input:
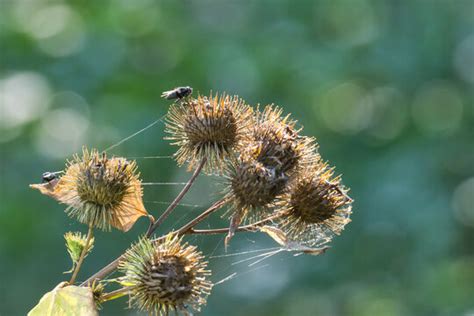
column 275, row 182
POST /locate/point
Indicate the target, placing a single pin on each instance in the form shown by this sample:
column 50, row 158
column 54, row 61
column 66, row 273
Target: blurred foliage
column 387, row 87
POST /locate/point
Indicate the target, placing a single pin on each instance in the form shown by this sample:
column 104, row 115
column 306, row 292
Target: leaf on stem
column 75, row 244
column 66, row 300
column 289, row 245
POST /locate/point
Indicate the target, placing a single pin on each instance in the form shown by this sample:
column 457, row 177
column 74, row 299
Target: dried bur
column 314, row 207
column 269, row 157
column 166, row 276
column 99, row 191
column 276, row 183
column 210, row 128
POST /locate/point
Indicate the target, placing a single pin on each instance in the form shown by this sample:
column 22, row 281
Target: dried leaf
column 289, row 245
column 127, row 216
column 46, row 188
column 296, row 247
column 277, row 234
column 234, row 224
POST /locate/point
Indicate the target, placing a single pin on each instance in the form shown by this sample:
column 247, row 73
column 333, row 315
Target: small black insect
column 48, row 177
column 177, row 93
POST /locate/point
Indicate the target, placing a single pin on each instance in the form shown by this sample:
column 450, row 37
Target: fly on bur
column 177, row 93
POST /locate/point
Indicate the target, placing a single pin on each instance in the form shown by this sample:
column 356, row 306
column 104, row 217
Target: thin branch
column 178, row 199
column 188, row 230
column 83, row 255
column 105, row 271
column 184, row 230
column 153, row 226
column 247, row 228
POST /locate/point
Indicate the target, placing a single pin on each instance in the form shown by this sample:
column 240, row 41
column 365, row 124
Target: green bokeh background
column 387, row 87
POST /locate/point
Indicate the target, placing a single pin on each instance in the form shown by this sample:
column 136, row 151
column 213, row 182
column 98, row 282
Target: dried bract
column 166, row 276
column 210, row 128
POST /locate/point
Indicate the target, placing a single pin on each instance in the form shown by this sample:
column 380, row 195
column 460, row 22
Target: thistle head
column 166, row 276
column 315, row 206
column 99, row 191
column 275, row 142
column 209, row 128
column 252, row 187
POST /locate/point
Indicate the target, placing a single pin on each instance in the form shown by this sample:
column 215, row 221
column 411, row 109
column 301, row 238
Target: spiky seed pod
column 251, row 190
column 252, row 187
column 166, row 276
column 276, row 143
column 210, row 128
column 99, row 191
column 314, row 207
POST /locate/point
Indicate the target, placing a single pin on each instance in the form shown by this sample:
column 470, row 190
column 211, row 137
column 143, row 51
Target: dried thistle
column 314, row 207
column 269, row 157
column 252, row 187
column 166, row 276
column 210, row 128
column 275, row 142
column 99, row 191
column 75, row 244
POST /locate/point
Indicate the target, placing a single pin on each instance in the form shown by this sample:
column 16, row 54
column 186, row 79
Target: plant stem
column 115, row 294
column 83, row 254
column 185, row 229
column 99, row 275
column 249, row 227
column 178, row 198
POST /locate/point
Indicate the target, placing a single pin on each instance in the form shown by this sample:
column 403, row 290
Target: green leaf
column 75, row 244
column 66, row 300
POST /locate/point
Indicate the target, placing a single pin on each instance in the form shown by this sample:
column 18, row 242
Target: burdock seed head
column 166, row 276
column 208, row 127
column 252, row 187
column 99, row 191
column 314, row 207
column 275, row 142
